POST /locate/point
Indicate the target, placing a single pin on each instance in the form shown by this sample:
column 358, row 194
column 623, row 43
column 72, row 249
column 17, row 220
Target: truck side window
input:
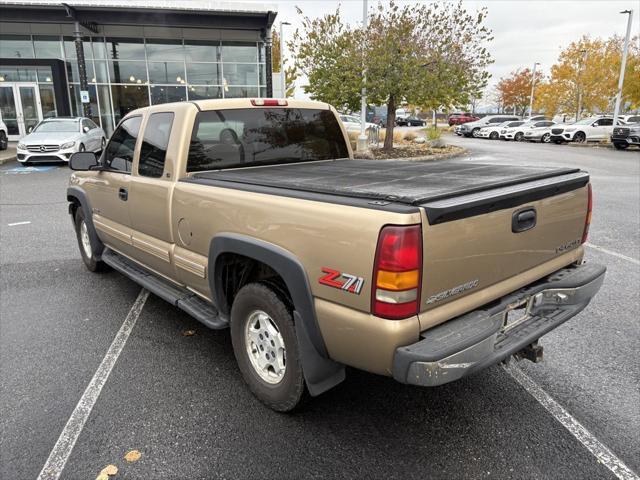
column 119, row 153
column 154, row 144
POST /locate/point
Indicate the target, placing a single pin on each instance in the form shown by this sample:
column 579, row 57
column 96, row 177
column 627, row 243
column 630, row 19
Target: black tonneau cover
column 408, row 182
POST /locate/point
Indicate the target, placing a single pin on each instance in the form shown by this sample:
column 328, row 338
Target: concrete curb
column 4, row 160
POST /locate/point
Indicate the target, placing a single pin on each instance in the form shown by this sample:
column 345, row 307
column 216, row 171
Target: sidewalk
column 8, row 155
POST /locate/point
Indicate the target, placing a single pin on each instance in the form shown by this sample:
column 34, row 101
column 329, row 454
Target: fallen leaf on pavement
column 132, row 456
column 102, row 476
column 109, row 470
column 188, row 333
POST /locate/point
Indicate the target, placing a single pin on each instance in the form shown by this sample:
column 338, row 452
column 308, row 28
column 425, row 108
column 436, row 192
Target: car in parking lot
column 3, row 136
column 630, row 118
column 352, row 123
column 472, row 128
column 410, row 122
column 626, row 136
column 492, row 132
column 460, row 118
column 539, row 133
column 516, row 132
column 56, row 139
column 590, row 129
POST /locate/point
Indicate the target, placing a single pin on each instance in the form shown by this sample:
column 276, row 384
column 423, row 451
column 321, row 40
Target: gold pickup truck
column 253, row 215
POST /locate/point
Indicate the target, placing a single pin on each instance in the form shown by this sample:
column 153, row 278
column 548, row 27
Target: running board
column 177, row 296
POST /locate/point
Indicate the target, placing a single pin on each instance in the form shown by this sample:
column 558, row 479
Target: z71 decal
column 341, row 280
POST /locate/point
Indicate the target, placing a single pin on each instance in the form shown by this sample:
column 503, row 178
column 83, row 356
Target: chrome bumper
column 481, row 338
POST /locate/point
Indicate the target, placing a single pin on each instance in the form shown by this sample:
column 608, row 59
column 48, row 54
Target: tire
column 546, row 138
column 257, row 312
column 81, row 147
column 557, row 142
column 519, row 137
column 474, row 132
column 579, row 137
column 4, row 142
column 493, row 136
column 620, row 146
column 87, row 250
column 103, row 143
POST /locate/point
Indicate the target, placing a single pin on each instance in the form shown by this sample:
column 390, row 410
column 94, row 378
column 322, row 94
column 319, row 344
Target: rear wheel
column 4, row 143
column 84, row 242
column 546, row 138
column 519, row 137
column 579, row 137
column 494, row 135
column 266, row 347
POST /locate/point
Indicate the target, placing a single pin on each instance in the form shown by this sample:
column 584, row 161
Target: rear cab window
column 245, row 137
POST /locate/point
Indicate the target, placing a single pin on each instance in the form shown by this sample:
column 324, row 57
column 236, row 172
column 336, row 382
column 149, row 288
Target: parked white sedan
column 517, row 132
column 56, row 139
column 352, row 123
column 592, row 129
column 539, row 132
column 492, row 132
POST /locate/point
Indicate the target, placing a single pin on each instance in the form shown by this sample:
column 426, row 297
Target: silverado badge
column 452, row 291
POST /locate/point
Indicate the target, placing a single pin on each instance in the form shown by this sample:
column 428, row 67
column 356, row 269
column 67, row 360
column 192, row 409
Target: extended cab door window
column 153, row 151
column 119, row 153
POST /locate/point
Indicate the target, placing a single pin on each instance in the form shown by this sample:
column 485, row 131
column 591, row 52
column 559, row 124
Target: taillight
column 587, row 220
column 397, row 272
column 269, row 102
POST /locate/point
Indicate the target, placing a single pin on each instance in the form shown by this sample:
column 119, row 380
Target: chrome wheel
column 84, row 238
column 546, row 138
column 265, row 347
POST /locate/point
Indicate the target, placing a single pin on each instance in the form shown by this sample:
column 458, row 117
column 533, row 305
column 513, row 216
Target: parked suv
column 472, row 128
column 592, row 129
column 623, row 136
column 460, row 118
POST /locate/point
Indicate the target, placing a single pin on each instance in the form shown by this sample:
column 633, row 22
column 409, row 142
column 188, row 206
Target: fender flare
column 320, row 372
column 79, row 195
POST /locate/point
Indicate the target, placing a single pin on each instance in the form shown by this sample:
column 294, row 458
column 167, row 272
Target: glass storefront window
column 241, row 92
column 8, row 109
column 128, row 72
column 44, row 75
column 263, row 74
column 201, row 51
column 76, row 104
column 99, row 48
column 239, row 52
column 127, row 98
column 203, row 93
column 100, row 72
column 16, row 46
column 241, row 73
column 165, row 94
column 47, row 46
column 125, row 48
column 204, row 73
column 48, row 101
column 18, row 74
column 72, row 71
column 166, row 72
column 70, row 48
column 164, row 50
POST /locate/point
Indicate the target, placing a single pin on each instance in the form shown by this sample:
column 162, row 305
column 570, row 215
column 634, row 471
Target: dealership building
column 103, row 59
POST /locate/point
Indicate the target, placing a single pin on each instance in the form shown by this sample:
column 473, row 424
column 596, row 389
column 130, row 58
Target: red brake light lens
column 269, row 102
column 397, row 273
column 587, row 220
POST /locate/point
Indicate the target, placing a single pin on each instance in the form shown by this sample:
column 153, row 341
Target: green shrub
column 433, row 133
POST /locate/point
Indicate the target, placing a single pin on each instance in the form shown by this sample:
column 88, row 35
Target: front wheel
column 546, row 138
column 474, row 132
column 621, row 146
column 266, row 347
column 4, row 143
column 103, row 143
column 81, row 148
column 494, row 135
column 579, row 137
column 519, row 137
column 84, row 242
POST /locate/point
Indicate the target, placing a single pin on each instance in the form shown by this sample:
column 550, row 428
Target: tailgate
column 474, row 241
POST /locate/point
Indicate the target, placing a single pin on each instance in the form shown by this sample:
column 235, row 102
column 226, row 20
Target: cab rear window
column 263, row 136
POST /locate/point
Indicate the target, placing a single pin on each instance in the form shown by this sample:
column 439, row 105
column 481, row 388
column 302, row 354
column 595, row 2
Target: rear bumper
column 479, row 339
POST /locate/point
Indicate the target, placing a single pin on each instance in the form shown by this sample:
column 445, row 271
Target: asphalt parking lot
column 179, row 399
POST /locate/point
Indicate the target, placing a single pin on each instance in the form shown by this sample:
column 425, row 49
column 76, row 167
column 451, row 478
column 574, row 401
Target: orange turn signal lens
column 398, row 280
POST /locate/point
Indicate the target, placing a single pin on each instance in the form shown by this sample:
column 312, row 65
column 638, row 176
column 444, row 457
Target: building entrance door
column 20, row 108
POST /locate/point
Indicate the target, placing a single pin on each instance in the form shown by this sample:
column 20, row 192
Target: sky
column 525, row 31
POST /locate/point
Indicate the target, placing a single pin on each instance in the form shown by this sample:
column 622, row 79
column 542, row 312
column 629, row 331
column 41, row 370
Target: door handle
column 523, row 220
column 123, row 194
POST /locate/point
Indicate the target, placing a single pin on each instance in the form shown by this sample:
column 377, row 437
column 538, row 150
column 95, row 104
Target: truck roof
column 227, row 103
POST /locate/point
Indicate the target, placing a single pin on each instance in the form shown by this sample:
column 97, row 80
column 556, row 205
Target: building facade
column 126, row 58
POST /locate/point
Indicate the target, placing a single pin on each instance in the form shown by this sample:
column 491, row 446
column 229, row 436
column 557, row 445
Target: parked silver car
column 56, row 139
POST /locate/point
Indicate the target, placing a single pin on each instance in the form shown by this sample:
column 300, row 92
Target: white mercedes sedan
column 56, row 139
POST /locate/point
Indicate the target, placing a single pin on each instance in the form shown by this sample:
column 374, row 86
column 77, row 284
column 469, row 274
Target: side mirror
column 83, row 161
column 85, row 129
column 30, row 129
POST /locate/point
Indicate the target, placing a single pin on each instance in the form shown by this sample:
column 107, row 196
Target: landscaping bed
column 412, row 152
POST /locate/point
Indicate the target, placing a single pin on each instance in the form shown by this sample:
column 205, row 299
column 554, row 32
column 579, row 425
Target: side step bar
column 180, row 297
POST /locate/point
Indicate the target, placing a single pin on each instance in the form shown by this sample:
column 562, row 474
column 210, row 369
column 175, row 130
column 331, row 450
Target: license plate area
column 515, row 314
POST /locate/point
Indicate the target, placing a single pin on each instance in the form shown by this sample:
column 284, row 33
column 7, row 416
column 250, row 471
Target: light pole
column 282, row 75
column 583, row 62
column 362, row 138
column 616, row 110
column 533, row 84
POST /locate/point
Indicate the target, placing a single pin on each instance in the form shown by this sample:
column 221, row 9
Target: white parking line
column 17, row 223
column 605, row 456
column 67, row 439
column 615, row 254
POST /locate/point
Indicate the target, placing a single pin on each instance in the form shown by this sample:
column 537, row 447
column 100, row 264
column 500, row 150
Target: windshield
column 262, row 136
column 585, row 121
column 57, row 126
